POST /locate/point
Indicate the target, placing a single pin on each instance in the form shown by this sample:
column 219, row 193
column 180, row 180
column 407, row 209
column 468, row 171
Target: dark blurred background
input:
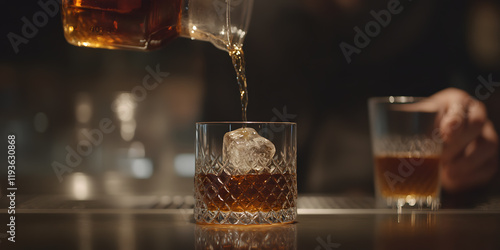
column 51, row 92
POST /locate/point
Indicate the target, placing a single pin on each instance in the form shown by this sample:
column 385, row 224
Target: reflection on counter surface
column 175, row 229
column 447, row 230
column 246, row 237
column 400, row 229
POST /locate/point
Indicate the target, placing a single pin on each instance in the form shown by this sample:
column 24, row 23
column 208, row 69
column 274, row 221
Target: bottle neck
column 197, row 25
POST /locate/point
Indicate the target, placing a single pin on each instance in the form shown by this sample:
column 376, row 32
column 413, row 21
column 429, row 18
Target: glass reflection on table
column 405, row 230
column 246, row 237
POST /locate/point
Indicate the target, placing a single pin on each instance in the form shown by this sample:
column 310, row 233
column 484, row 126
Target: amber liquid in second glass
column 422, row 181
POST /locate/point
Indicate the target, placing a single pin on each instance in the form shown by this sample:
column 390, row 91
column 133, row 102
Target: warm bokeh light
column 81, row 186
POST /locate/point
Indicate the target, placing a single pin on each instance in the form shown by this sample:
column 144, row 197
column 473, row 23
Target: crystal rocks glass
column 246, row 173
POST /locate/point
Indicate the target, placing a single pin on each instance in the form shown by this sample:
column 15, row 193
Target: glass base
column 204, row 216
column 409, row 202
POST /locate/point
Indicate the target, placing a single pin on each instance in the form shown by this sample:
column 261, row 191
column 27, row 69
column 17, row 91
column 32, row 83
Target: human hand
column 469, row 141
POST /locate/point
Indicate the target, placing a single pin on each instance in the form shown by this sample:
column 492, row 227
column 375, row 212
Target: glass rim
column 396, row 99
column 242, row 122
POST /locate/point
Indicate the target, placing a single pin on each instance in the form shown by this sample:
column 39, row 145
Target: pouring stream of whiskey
column 238, row 59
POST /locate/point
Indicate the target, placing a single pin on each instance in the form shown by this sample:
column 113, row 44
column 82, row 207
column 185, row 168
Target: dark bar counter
column 88, row 227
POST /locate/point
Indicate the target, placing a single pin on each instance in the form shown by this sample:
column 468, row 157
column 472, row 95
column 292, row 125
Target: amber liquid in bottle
column 121, row 24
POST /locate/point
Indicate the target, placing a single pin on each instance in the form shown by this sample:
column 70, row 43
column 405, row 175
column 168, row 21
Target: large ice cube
column 245, row 150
